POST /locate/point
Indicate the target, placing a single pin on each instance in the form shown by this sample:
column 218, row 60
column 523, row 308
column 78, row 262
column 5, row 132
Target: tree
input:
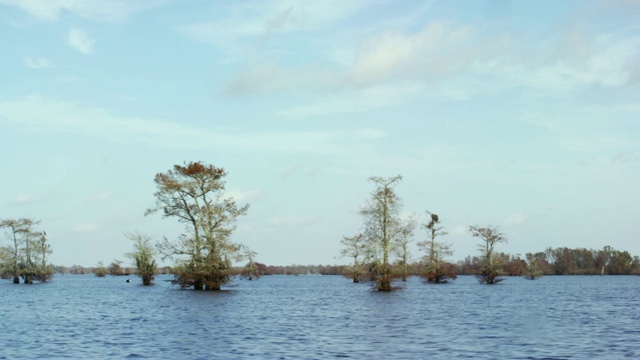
column 251, row 270
column 354, row 247
column 193, row 194
column 17, row 233
column 490, row 236
column 5, row 261
column 115, row 268
column 79, row 269
column 404, row 238
column 100, row 270
column 28, row 252
column 534, row 270
column 438, row 270
column 381, row 226
column 143, row 257
column 43, row 249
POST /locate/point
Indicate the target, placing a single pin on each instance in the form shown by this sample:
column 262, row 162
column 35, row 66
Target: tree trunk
column 197, row 285
column 16, row 279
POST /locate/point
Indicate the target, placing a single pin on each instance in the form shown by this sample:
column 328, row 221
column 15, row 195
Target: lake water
column 322, row 317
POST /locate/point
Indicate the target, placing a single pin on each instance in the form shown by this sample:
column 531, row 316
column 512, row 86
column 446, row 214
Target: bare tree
column 193, row 194
column 382, row 224
column 490, row 268
column 438, row 270
column 354, row 247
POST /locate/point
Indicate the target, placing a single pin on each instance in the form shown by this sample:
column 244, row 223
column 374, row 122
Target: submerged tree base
column 488, row 279
column 383, row 283
column 441, row 277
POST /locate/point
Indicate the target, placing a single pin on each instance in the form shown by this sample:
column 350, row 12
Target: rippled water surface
column 322, row 317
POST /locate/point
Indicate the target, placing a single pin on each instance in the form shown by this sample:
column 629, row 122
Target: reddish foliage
column 194, row 168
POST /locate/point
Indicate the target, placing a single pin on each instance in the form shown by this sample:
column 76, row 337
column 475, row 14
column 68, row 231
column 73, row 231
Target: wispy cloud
column 246, row 20
column 37, row 63
column 353, row 101
column 104, row 10
column 467, row 56
column 25, row 198
column 36, row 113
column 244, row 28
column 80, row 41
column 626, row 157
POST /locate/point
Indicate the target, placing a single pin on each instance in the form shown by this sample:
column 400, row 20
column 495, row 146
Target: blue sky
column 522, row 115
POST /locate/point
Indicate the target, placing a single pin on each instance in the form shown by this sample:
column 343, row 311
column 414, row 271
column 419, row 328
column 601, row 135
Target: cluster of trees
column 193, row 194
column 387, row 235
column 538, row 264
column 26, row 256
column 561, row 261
column 143, row 257
column 100, row 270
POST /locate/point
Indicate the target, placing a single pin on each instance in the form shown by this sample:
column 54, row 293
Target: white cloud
column 106, row 10
column 267, row 76
column 79, row 40
column 370, row 134
column 37, row 63
column 241, row 196
column 515, row 219
column 353, row 101
column 291, row 220
column 22, row 199
column 459, row 230
column 101, row 196
column 430, row 53
column 471, row 58
column 84, row 227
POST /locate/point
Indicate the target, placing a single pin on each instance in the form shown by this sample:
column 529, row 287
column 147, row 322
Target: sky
column 517, row 114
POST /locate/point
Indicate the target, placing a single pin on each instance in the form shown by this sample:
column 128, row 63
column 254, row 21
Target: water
column 322, row 317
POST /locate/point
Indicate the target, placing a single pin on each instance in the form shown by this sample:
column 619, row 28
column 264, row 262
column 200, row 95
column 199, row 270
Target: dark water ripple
column 322, row 317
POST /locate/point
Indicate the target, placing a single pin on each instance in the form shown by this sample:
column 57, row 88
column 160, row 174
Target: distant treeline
column 552, row 261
